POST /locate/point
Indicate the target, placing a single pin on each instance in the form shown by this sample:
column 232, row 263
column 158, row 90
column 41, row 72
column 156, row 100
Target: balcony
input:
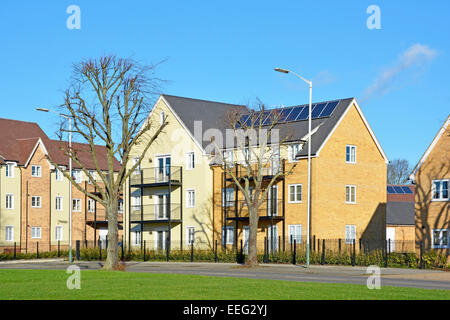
column 101, row 218
column 267, row 173
column 156, row 213
column 156, row 177
column 269, row 210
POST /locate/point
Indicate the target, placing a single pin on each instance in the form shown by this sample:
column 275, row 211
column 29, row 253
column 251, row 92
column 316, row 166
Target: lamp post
column 70, row 172
column 309, row 160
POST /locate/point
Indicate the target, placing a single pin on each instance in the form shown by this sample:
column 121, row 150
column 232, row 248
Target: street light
column 70, row 172
column 309, row 159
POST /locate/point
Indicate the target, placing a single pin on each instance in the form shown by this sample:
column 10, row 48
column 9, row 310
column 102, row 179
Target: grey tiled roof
column 400, row 213
column 214, row 115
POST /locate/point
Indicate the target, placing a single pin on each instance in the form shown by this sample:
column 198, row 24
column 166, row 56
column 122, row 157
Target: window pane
column 436, row 238
column 444, row 237
column 292, row 193
column 437, row 187
column 445, row 189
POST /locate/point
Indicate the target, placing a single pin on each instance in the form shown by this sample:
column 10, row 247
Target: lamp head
column 281, row 70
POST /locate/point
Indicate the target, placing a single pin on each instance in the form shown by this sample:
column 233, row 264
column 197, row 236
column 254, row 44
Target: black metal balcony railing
column 102, row 217
column 156, row 212
column 272, row 208
column 241, row 171
column 157, row 175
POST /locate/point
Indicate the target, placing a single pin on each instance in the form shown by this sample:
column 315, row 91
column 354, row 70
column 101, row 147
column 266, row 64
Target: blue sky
column 226, row 51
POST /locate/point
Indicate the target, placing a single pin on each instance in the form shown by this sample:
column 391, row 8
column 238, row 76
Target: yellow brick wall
column 432, row 214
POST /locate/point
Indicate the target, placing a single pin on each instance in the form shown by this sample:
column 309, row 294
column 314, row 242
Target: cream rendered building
column 168, row 201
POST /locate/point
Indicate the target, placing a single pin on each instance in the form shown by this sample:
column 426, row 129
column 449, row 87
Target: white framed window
column 190, row 233
column 350, row 233
column 350, row 194
column 350, row 154
column 247, row 156
column 76, row 175
column 59, row 203
column 295, row 233
column 120, row 206
column 190, row 198
column 228, row 157
column 91, row 205
column 35, row 201
column 440, row 238
column 9, row 233
column 35, row 232
column 9, row 204
column 58, row 175
column 76, row 205
column 136, row 237
column 93, row 175
column 136, row 171
column 295, row 193
column 229, row 235
column 190, row 160
column 293, row 149
column 59, row 233
column 227, row 197
column 439, row 190
column 163, row 117
column 10, row 170
column 36, row 171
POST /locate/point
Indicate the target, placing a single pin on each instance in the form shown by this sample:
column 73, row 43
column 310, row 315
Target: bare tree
column 398, row 171
column 109, row 101
column 258, row 142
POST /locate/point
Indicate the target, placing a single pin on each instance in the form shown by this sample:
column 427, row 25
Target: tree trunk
column 112, row 258
column 252, row 259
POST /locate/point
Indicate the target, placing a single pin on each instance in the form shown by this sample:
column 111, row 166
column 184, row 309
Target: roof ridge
column 32, row 122
column 210, row 101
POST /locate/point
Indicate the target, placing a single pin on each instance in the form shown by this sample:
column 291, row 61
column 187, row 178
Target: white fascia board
column 366, row 123
column 430, row 148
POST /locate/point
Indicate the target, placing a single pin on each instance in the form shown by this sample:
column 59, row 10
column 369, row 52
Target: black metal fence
column 292, row 250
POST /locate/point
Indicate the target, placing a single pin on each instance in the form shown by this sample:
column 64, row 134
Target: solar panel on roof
column 318, row 110
column 328, row 110
column 304, row 114
column 284, row 114
column 295, row 112
column 391, row 190
column 407, row 190
column 398, row 189
column 268, row 119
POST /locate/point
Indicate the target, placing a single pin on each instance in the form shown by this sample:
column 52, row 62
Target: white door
column 161, row 206
column 161, row 240
column 163, row 169
column 246, row 237
column 272, row 201
column 390, row 237
column 103, row 235
column 273, row 238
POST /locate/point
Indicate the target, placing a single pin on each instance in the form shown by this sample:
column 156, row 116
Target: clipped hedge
column 431, row 259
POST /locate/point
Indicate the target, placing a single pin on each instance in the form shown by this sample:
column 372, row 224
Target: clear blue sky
column 226, row 51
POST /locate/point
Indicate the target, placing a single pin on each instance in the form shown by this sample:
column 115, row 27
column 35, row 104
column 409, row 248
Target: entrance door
column 163, row 169
column 161, row 206
column 161, row 240
column 390, row 237
column 273, row 238
column 246, row 237
column 272, row 201
column 103, row 236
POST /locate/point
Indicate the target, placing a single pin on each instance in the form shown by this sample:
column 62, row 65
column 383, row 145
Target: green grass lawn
column 51, row 284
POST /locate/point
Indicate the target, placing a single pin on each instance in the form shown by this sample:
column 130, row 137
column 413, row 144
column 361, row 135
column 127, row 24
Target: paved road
column 427, row 279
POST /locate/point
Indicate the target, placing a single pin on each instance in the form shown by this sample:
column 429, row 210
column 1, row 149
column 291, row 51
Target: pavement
column 426, row 279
